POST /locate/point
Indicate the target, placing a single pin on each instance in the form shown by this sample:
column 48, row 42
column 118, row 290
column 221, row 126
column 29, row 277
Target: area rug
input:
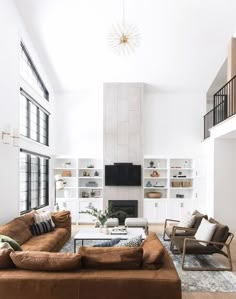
column 192, row 281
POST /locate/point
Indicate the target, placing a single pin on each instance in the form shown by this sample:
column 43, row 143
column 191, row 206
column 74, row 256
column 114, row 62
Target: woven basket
column 154, row 194
column 66, row 173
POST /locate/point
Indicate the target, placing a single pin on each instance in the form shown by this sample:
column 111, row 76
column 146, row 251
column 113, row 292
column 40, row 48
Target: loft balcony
column 224, row 106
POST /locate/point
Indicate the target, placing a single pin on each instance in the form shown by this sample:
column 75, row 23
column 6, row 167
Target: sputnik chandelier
column 124, row 38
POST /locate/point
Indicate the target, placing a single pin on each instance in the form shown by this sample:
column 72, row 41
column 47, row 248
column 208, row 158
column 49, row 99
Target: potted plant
column 102, row 216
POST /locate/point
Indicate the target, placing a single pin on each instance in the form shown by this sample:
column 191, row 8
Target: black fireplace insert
column 128, row 207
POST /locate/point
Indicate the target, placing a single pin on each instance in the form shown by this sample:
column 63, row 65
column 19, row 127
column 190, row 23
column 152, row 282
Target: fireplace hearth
column 130, row 207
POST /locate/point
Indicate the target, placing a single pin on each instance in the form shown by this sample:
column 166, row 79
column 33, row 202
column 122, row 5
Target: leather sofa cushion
column 45, row 242
column 5, row 260
column 17, row 230
column 62, row 219
column 27, row 218
column 46, row 261
column 153, row 252
column 111, row 257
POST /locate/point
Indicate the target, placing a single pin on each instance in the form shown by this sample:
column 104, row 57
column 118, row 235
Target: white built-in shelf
column 154, row 168
column 65, row 168
column 90, row 177
column 89, row 187
column 155, row 188
column 89, row 198
column 66, row 198
column 70, row 177
column 154, row 178
column 187, row 198
column 76, row 185
column 182, row 168
column 88, row 168
column 189, row 178
column 181, row 188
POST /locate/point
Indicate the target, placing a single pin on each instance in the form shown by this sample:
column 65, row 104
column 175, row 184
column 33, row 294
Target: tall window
column 34, row 174
column 30, row 73
column 34, row 119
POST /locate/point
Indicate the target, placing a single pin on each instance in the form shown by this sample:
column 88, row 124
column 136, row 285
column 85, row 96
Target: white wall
column 11, row 32
column 173, row 123
column 79, row 123
column 224, row 182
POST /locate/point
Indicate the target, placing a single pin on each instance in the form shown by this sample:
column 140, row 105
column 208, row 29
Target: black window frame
column 34, row 70
column 29, row 190
column 38, row 124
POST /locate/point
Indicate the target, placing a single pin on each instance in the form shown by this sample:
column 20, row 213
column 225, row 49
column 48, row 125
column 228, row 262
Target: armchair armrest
column 170, row 220
column 186, row 229
column 62, row 219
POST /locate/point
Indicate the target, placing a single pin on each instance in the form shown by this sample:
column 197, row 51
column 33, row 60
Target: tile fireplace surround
column 123, row 135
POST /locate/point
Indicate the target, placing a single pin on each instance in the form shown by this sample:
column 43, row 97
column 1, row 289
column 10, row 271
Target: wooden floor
column 196, row 295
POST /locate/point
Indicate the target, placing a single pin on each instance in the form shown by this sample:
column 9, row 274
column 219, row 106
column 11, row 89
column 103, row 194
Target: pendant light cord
column 123, row 13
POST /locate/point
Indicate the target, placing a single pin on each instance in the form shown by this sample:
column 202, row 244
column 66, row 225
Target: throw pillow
column 153, row 252
column 11, row 242
column 131, row 242
column 46, row 261
column 205, row 231
column 187, row 220
column 42, row 228
column 111, row 257
column 5, row 260
column 108, row 243
column 43, row 216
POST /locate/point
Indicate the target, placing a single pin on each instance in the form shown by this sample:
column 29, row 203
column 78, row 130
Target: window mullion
column 28, row 118
column 39, row 181
column 38, row 125
column 29, row 182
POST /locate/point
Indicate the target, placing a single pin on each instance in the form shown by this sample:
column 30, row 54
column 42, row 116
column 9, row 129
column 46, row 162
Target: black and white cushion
column 131, row 242
column 42, row 228
column 43, row 216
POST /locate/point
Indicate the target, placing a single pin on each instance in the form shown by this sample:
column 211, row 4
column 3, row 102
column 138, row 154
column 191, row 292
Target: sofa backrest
column 198, row 218
column 221, row 232
column 17, row 230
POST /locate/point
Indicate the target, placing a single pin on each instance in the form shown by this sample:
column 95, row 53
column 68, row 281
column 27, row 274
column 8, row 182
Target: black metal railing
column 224, row 106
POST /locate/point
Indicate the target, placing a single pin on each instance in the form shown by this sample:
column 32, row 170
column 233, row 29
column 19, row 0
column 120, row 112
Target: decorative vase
column 104, row 229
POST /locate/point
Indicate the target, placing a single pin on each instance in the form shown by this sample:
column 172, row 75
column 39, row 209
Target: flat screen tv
column 123, row 174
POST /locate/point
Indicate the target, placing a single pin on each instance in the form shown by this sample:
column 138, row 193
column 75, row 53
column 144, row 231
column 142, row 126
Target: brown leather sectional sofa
column 19, row 230
column 87, row 283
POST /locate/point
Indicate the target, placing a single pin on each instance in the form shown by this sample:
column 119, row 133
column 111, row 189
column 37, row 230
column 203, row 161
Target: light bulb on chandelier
column 124, row 38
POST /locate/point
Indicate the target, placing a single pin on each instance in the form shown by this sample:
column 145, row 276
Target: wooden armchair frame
column 175, row 228
column 166, row 223
column 227, row 254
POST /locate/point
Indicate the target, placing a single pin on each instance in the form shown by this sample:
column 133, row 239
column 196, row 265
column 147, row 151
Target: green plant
column 102, row 216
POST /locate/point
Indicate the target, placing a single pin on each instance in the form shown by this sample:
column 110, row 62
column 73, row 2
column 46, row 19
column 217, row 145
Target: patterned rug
column 192, row 281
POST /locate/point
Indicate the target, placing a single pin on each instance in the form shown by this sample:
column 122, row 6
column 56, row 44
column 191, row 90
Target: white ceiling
column 183, row 44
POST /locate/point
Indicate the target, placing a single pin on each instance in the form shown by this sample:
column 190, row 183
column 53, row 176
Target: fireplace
column 130, row 207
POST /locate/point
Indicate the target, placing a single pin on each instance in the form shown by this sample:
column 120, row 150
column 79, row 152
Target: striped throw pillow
column 43, row 216
column 42, row 228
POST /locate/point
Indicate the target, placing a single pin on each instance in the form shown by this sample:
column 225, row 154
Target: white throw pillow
column 43, row 216
column 205, row 231
column 5, row 245
column 187, row 220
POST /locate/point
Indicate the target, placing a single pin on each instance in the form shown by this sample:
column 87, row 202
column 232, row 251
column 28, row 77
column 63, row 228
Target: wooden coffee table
column 86, row 234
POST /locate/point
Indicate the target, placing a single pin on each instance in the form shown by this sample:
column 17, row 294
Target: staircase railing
column 224, row 106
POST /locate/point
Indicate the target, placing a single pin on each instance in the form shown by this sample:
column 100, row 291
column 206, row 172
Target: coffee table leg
column 74, row 245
